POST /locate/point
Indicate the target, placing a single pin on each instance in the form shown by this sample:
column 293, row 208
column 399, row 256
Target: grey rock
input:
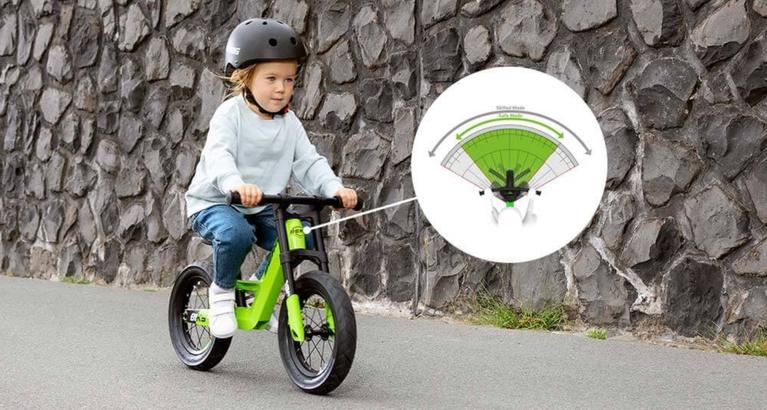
column 582, row 15
column 108, row 70
column 130, row 181
column 620, row 212
column 663, row 91
column 156, row 105
column 85, row 39
column 620, row 139
column 692, row 299
column 337, row 111
column 133, row 86
column 190, row 42
column 400, row 269
column 29, row 222
column 731, row 139
column 104, row 204
column 42, row 7
column 130, row 222
column 339, row 59
column 109, row 116
column 666, row 170
column 293, row 13
column 404, row 134
column 155, row 231
column 153, row 8
column 756, row 183
column 69, row 129
column 54, row 172
column 13, row 173
column 135, row 28
column 248, row 9
column 653, row 242
column 43, row 145
column 694, row 4
column 174, row 126
column 108, row 262
column 601, row 292
column 86, row 97
column 42, row 39
column 182, row 77
column 475, row 8
column 398, row 222
column 434, row 11
column 746, row 73
column 26, row 36
column 8, row 35
column 87, row 131
column 53, row 103
column 332, row 24
column 365, row 272
column 748, row 308
column 476, row 44
column 69, row 261
column 186, row 161
column 719, row 224
column 722, row 33
column 442, row 274
column 155, row 152
column 210, row 91
column 178, row 10
column 86, row 227
column 364, row 155
column 370, row 36
column 659, row 22
column 400, row 19
column 525, row 28
column 52, row 221
column 539, row 283
column 130, row 132
column 59, row 64
column 715, row 88
column 108, row 20
column 563, row 65
column 606, row 56
column 309, row 96
column 12, row 133
column 377, row 100
column 35, row 182
column 173, row 214
column 81, row 179
column 108, row 155
column 760, row 6
column 325, row 144
column 10, row 75
column 752, row 262
column 403, row 77
column 157, row 59
column 441, row 56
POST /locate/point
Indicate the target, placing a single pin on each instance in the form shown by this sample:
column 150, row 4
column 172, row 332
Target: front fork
column 291, row 238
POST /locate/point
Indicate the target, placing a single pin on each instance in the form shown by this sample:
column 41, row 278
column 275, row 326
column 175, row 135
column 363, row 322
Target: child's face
column 272, row 83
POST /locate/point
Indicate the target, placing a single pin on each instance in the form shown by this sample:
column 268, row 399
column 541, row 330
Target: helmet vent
column 248, row 22
column 272, row 42
column 293, row 40
column 264, row 23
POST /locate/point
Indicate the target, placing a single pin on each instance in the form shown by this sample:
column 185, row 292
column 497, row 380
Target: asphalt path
column 85, row 346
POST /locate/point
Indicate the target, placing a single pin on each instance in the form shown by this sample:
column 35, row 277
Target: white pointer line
column 309, row 229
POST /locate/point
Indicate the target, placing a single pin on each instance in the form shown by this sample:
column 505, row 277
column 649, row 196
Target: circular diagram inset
column 509, row 164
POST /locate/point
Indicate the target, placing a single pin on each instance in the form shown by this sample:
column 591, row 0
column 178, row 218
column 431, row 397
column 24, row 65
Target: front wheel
column 320, row 363
column 193, row 343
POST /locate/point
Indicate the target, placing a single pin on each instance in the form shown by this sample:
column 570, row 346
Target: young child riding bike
column 254, row 144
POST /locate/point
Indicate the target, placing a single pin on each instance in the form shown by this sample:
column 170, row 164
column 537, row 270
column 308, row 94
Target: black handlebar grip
column 233, row 198
column 360, row 204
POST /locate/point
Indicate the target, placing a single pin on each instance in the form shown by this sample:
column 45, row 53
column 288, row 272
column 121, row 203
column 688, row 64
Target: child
column 253, row 144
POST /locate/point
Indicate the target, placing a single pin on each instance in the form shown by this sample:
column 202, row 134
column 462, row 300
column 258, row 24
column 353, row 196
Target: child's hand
column 348, row 197
column 250, row 194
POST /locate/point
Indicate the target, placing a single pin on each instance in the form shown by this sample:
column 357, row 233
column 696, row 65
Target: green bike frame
column 267, row 290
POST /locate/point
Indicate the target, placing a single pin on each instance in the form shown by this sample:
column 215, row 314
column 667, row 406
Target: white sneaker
column 223, row 323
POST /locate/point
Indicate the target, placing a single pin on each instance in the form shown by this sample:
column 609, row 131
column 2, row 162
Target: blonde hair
column 238, row 81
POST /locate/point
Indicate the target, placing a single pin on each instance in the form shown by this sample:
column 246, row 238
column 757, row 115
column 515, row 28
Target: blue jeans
column 233, row 234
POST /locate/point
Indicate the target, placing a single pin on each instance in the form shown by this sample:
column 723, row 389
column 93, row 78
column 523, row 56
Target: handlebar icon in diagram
column 523, row 142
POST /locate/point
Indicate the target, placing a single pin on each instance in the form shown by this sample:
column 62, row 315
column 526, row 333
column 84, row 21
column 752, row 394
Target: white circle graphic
column 509, row 164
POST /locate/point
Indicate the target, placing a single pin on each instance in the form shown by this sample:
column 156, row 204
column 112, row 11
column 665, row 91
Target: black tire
column 194, row 344
column 318, row 287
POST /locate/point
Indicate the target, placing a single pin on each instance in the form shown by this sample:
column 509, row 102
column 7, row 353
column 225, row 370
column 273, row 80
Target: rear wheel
column 319, row 363
column 193, row 343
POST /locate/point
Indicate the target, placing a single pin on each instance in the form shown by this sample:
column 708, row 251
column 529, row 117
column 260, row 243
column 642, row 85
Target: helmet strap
column 251, row 99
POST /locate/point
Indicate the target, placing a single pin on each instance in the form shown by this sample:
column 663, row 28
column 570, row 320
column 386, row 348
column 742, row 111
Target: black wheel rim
column 315, row 354
column 197, row 339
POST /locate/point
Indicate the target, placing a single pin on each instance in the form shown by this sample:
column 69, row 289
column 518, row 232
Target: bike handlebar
column 233, row 198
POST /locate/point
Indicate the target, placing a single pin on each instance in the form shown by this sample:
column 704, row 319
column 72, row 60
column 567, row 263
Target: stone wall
column 104, row 106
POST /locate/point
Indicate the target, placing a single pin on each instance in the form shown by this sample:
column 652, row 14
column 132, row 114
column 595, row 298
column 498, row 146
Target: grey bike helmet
column 258, row 40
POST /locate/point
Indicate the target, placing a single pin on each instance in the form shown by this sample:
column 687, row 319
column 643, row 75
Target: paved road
column 75, row 346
